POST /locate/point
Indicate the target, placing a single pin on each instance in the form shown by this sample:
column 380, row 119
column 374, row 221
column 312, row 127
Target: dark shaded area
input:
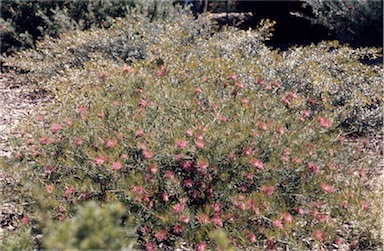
column 289, row 30
column 292, row 30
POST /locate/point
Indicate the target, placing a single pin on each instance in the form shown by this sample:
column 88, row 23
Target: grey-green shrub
column 24, row 22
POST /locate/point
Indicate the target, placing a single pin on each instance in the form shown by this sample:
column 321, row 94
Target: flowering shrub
column 208, row 143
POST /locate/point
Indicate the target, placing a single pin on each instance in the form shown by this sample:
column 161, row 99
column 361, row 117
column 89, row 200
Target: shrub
column 93, row 227
column 358, row 22
column 227, row 149
column 24, row 22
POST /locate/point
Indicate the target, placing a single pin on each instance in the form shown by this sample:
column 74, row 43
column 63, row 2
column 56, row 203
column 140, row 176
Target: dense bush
column 24, row 22
column 358, row 22
column 208, row 143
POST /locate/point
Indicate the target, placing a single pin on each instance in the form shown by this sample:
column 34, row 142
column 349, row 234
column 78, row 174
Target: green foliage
column 24, row 22
column 93, row 227
column 20, row 239
column 202, row 140
column 355, row 21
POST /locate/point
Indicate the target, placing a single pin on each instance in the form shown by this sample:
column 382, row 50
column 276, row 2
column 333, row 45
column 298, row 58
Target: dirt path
column 16, row 103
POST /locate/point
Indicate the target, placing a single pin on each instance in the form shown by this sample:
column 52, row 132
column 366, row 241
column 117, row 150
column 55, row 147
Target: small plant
column 93, row 227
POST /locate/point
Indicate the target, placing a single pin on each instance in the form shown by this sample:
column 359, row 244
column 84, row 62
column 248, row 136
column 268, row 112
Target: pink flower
column 189, row 132
column 169, row 174
column 314, row 168
column 200, row 144
column 285, row 158
column 82, row 110
column 344, row 204
column 46, row 140
column 178, row 229
column 50, row 188
column 203, row 218
column 277, row 84
column 245, row 102
column 161, row 235
column 296, row 160
column 278, row 224
column 233, row 77
column 286, row 101
column 55, row 128
column 217, row 220
column 127, row 69
column 201, row 246
column 327, row 188
column 139, row 134
column 252, row 238
column 216, row 207
column 124, row 156
column 256, row 163
column 70, row 190
column 111, row 143
column 100, row 160
column 292, row 95
column 116, row 103
column 263, row 126
column 280, row 130
column 319, row 235
column 153, row 168
column 202, row 164
column 164, row 197
column 306, row 113
column 188, row 183
column 138, row 190
column 184, row 218
column 178, row 208
column 287, row 217
column 40, row 117
column 25, row 220
column 324, row 122
column 188, row 165
column 364, row 205
column 68, row 121
column 181, row 144
column 240, row 85
column 116, row 166
column 102, row 76
column 150, row 246
column 78, row 141
column 300, row 210
column 268, row 190
column 147, row 153
column 260, row 81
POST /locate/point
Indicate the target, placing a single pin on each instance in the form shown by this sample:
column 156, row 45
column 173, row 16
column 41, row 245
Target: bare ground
column 17, row 102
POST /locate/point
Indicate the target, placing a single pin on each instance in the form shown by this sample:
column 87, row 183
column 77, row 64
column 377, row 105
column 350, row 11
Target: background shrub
column 357, row 22
column 205, row 143
column 24, row 22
